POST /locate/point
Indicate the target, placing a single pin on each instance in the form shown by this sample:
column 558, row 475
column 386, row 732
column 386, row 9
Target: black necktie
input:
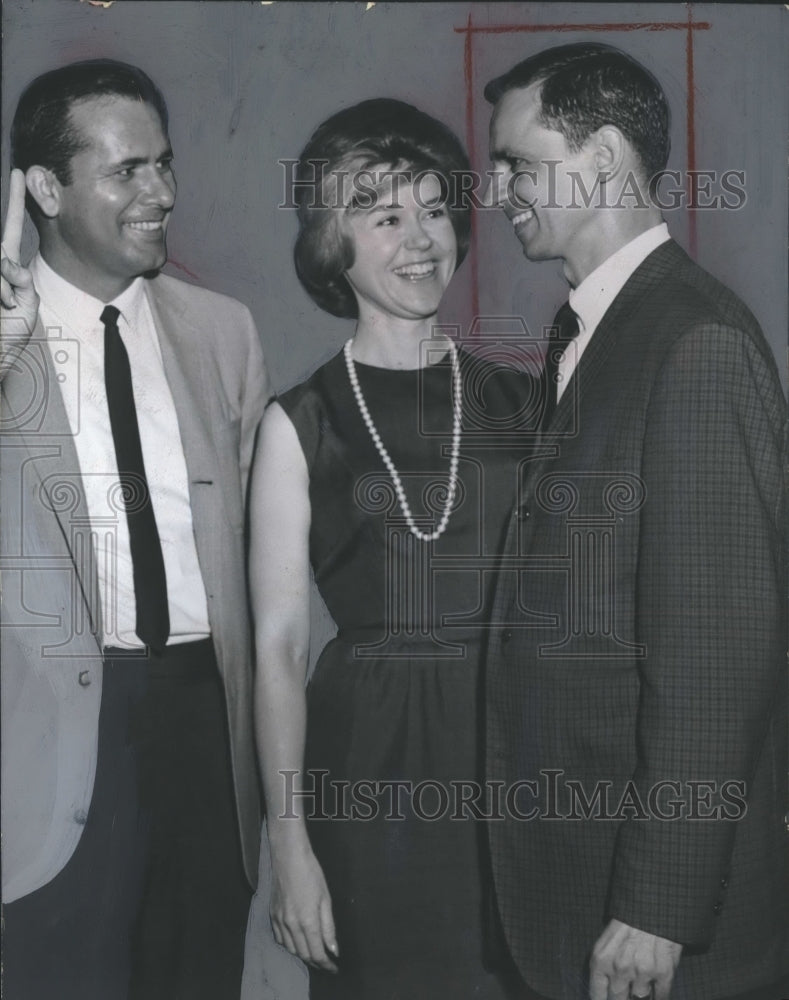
column 150, row 582
column 567, row 323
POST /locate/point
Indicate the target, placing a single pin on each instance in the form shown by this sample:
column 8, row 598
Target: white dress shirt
column 67, row 312
column 591, row 299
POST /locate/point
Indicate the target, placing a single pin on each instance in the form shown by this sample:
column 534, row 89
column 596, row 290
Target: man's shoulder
column 192, row 299
column 687, row 290
column 692, row 317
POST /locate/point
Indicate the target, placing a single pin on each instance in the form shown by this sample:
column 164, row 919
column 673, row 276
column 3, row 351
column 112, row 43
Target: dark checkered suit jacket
column 639, row 676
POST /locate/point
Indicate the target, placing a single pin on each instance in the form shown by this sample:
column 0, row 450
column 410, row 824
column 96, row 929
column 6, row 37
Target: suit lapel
column 568, row 415
column 183, row 367
column 197, row 409
column 36, row 421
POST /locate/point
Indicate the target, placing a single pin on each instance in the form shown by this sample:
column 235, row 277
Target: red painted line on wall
column 501, row 29
column 691, row 136
column 181, row 267
column 470, row 29
column 468, row 76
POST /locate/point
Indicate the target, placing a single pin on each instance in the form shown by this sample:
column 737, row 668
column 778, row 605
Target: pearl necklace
column 457, row 410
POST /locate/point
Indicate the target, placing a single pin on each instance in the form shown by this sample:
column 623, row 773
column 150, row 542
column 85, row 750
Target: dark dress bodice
column 359, row 543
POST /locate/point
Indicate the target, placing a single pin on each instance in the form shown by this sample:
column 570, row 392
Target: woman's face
column 404, row 244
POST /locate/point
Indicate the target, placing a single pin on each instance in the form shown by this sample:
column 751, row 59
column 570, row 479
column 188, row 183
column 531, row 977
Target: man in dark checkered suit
column 637, row 680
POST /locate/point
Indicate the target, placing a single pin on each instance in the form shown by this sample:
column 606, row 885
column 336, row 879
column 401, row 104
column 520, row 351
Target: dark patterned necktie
column 567, row 323
column 150, row 582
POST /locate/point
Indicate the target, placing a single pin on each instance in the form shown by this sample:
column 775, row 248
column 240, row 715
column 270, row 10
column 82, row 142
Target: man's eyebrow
column 138, row 161
column 507, row 154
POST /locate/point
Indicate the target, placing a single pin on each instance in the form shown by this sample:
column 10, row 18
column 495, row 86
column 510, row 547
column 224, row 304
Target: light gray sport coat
column 51, row 618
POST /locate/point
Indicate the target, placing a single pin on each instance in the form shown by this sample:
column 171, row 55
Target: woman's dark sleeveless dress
column 395, row 696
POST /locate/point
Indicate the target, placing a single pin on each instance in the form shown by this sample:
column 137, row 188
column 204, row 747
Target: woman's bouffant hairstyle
column 380, row 133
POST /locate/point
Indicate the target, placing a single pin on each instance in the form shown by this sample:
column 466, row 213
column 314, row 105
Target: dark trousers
column 154, row 901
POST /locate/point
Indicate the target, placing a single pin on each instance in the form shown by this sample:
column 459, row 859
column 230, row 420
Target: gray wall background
column 247, row 83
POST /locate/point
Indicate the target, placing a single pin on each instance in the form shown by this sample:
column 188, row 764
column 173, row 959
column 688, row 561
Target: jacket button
column 85, row 680
column 717, row 909
column 724, row 883
column 506, row 636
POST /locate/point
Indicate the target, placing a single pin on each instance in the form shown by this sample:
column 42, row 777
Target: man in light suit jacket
column 131, row 812
column 637, row 687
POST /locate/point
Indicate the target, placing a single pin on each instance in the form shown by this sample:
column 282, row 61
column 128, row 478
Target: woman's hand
column 300, row 909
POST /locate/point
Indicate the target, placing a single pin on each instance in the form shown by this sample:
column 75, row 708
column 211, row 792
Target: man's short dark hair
column 43, row 133
column 588, row 85
column 379, row 133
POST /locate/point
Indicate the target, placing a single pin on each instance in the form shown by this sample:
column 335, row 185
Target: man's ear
column 610, row 151
column 44, row 188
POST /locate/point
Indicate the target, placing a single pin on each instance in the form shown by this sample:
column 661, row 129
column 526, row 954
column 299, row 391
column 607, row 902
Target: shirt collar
column 591, row 299
column 79, row 310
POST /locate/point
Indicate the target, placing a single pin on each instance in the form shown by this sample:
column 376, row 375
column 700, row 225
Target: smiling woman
column 361, row 160
column 361, row 475
column 405, row 250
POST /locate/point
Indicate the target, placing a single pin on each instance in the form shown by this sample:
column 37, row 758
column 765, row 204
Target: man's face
column 539, row 181
column 112, row 218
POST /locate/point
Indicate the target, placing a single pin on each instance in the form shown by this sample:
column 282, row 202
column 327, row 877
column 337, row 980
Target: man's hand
column 627, row 962
column 17, row 291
